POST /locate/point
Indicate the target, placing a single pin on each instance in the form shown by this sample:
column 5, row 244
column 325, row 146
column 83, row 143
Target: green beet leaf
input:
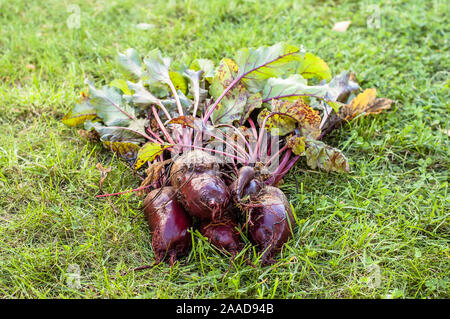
column 289, row 115
column 237, row 104
column 110, row 105
column 232, row 106
column 257, row 65
column 311, row 66
column 157, row 67
column 206, row 66
column 171, row 105
column 81, row 112
column 121, row 85
column 340, row 86
column 149, row 152
column 130, row 61
column 224, row 76
column 133, row 133
column 320, row 155
column 141, row 96
column 179, row 81
column 290, row 88
column 198, row 94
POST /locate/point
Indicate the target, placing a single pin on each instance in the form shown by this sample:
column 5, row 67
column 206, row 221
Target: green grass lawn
column 381, row 231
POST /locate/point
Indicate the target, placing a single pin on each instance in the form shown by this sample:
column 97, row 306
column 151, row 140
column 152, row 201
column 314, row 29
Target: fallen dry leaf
column 445, row 131
column 153, row 174
column 89, row 135
column 103, row 173
column 365, row 102
column 342, row 26
column 145, row 26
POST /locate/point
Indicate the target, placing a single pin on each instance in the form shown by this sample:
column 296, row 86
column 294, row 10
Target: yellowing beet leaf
column 149, row 152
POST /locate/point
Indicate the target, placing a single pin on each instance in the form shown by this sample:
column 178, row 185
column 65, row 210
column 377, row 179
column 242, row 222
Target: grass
column 381, row 231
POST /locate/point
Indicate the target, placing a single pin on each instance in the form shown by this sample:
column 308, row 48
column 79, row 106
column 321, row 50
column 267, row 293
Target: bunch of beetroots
column 199, row 193
column 174, row 120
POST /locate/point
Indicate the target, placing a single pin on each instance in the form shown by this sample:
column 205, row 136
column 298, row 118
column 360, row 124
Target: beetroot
column 252, row 189
column 245, row 185
column 269, row 226
column 169, row 224
column 223, row 235
column 201, row 190
column 246, row 174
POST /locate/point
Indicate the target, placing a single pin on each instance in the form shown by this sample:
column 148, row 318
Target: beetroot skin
column 201, row 190
column 268, row 225
column 169, row 224
column 252, row 189
column 246, row 174
column 245, row 185
column 223, row 235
